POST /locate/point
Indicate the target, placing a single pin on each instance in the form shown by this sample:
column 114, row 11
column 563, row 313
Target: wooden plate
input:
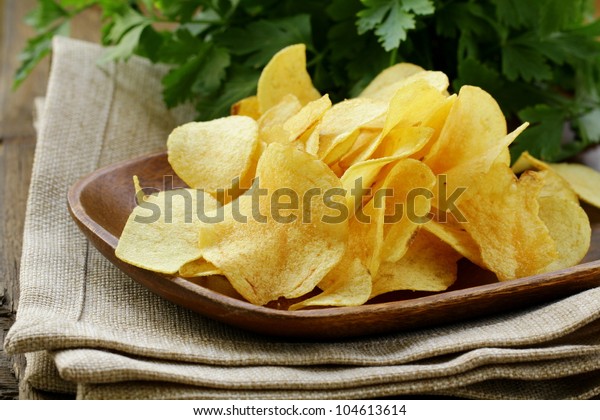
column 101, row 202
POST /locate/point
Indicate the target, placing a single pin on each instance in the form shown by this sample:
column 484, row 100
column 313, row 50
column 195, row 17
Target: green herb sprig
column 540, row 59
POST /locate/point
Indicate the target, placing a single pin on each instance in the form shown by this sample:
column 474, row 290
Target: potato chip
column 457, row 237
column 137, row 187
column 373, row 237
column 411, row 182
column 348, row 284
column 436, row 79
column 410, row 106
column 344, row 119
column 389, row 76
column 266, row 258
column 350, row 114
column 361, row 177
column 526, row 162
column 338, row 147
column 209, row 155
column 198, row 268
column 307, row 117
column 584, row 180
column 270, row 124
column 365, row 137
column 554, row 184
column 404, row 141
column 469, row 171
column 309, row 141
column 435, row 121
column 429, row 265
column 247, row 107
column 161, row 234
column 474, row 125
column 502, row 218
column 570, row 228
column 285, row 74
column 376, row 124
column 363, row 174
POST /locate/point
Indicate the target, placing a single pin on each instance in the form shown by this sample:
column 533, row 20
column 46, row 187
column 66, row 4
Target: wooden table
column 17, row 145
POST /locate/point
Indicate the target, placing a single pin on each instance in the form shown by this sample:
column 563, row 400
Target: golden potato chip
column 411, row 182
column 376, row 124
column 198, row 268
column 161, row 234
column 348, row 284
column 436, row 79
column 247, row 107
column 309, row 141
column 457, row 237
column 554, row 184
column 279, row 255
column 389, row 76
column 344, row 118
column 474, row 125
column 365, row 137
column 360, row 177
column 350, row 114
column 584, row 180
column 384, row 225
column 339, row 146
column 246, row 180
column 435, row 121
column 404, row 141
column 284, row 74
column 570, row 228
column 307, row 117
column 270, row 124
column 470, row 171
column 429, row 265
column 137, row 187
column 501, row 215
column 410, row 106
column 526, row 161
column 209, row 155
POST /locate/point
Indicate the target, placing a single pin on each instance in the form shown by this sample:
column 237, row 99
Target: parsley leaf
column 545, row 122
column 45, row 15
column 391, row 19
column 241, row 83
column 201, row 75
column 260, row 40
column 36, row 49
column 126, row 46
column 521, row 59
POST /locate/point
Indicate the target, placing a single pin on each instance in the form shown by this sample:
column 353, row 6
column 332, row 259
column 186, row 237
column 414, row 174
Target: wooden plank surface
column 17, row 145
column 16, row 140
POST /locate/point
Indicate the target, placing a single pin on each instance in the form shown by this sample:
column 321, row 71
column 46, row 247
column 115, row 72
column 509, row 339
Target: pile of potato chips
column 392, row 189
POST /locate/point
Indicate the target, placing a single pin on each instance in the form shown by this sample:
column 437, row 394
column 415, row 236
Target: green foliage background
column 539, row 58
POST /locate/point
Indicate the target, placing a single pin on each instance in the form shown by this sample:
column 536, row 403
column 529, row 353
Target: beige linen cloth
column 89, row 330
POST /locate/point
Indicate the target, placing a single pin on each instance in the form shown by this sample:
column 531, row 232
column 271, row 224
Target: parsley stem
column 393, row 56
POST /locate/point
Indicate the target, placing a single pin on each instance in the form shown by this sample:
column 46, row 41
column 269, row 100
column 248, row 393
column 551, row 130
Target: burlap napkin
column 88, row 329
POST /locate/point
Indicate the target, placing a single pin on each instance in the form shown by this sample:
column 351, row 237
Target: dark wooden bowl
column 101, row 202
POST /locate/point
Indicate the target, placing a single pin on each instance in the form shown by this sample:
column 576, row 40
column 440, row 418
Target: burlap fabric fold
column 89, row 330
